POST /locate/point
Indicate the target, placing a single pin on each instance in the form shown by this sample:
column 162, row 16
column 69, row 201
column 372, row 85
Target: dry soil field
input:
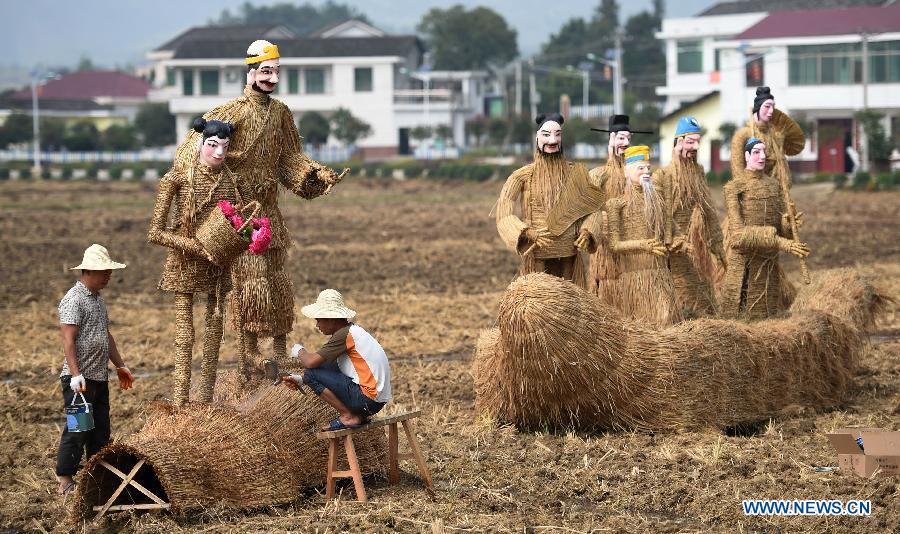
column 422, row 264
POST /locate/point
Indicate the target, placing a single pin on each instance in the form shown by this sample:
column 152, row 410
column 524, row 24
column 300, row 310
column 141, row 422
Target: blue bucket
column 79, row 417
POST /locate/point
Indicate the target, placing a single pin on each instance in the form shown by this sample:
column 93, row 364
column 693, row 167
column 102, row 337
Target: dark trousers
column 73, row 444
column 329, row 375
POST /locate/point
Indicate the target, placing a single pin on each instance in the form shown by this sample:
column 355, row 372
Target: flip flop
column 66, row 490
column 338, row 425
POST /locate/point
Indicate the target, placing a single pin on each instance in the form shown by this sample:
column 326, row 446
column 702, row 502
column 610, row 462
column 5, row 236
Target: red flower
column 260, row 239
column 226, row 207
column 261, row 222
column 236, row 220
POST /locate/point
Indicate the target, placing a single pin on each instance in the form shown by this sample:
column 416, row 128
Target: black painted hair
column 544, row 117
column 762, row 94
column 213, row 128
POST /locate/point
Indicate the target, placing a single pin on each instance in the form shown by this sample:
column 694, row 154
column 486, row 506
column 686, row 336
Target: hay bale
column 253, row 450
column 562, row 359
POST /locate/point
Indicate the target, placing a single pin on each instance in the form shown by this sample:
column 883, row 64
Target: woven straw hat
column 329, row 305
column 96, row 258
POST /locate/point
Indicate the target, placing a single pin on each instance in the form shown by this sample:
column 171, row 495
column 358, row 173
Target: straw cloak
column 603, row 270
column 555, row 194
column 693, row 220
column 753, row 286
column 782, row 136
column 265, row 151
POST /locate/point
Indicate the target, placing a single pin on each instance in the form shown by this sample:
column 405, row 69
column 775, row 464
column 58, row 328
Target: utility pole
column 532, row 89
column 519, row 88
column 865, row 91
column 618, row 93
column 35, row 125
column 585, row 87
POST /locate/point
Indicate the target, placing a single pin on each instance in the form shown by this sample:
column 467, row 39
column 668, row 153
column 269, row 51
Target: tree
column 475, row 128
column 120, row 137
column 53, row 133
column 303, row 19
column 18, row 128
column 314, row 128
column 467, row 40
column 85, row 64
column 82, row 136
column 347, row 128
column 443, row 132
column 497, row 130
column 155, row 125
column 521, row 129
column 879, row 147
column 420, row 133
column 644, row 60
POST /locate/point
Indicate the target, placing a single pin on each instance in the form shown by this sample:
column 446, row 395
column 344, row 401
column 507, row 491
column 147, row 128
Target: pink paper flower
column 261, row 222
column 236, row 220
column 226, row 207
column 260, row 239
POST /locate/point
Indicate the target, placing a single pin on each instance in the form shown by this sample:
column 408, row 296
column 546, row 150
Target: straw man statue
column 542, row 206
column 696, row 235
column 266, row 154
column 758, row 229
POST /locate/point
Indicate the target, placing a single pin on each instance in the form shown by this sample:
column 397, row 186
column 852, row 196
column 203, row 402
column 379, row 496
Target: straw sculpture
column 253, row 450
column 644, row 289
column 753, row 287
column 603, row 269
column 782, row 136
column 528, row 199
column 190, row 196
column 562, row 359
column 265, row 152
column 696, row 236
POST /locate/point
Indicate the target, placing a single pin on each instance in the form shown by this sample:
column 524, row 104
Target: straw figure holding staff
column 758, row 230
column 637, row 220
column 696, row 236
column 266, row 154
column 542, row 207
column 191, row 196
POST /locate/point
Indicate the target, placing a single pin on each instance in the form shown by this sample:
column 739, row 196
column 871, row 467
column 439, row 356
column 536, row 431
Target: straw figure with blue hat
column 267, row 154
column 758, row 230
column 637, row 227
column 695, row 236
column 543, row 205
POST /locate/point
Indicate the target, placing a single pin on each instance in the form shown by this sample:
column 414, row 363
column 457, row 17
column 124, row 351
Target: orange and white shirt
column 360, row 357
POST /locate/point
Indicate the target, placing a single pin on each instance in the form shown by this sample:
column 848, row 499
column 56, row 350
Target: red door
column 831, row 135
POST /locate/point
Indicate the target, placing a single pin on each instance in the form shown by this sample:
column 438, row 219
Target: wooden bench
column 394, row 457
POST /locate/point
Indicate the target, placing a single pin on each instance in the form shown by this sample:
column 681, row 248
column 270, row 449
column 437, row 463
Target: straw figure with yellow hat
column 542, row 207
column 696, row 234
column 611, row 180
column 265, row 153
column 88, row 346
column 757, row 231
column 191, row 195
column 637, row 223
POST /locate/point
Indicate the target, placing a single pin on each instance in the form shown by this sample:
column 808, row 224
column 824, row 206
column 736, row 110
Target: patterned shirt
column 82, row 308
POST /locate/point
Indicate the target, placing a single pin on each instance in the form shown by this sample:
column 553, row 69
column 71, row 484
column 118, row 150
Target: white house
column 378, row 77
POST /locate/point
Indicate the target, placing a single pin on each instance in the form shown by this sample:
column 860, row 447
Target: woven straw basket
column 222, row 241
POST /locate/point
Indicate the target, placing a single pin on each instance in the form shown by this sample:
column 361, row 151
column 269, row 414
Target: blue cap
column 748, row 146
column 687, row 126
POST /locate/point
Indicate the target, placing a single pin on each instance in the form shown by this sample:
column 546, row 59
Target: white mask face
column 549, row 137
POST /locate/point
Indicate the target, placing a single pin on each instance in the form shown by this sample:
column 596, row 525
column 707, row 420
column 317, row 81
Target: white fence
column 324, row 154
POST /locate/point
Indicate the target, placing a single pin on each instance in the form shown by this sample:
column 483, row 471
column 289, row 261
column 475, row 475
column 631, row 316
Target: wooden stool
column 394, row 457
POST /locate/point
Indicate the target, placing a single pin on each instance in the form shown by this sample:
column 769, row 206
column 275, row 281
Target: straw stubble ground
column 422, row 263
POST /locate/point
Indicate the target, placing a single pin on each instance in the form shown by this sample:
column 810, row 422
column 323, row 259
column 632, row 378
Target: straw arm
column 617, row 245
column 510, row 227
column 738, row 140
column 158, row 234
column 304, row 176
column 593, row 223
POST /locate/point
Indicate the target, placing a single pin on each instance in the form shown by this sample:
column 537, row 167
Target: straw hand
column 78, row 383
column 584, row 240
column 678, row 245
column 655, row 246
column 539, row 236
column 126, row 379
column 801, row 250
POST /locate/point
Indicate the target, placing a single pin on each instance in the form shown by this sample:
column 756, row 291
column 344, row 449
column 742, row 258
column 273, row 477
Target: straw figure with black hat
column 758, row 230
column 611, row 179
column 266, row 154
column 696, row 235
column 191, row 195
column 637, row 222
column 542, row 207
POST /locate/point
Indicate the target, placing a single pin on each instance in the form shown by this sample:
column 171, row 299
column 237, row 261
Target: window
column 840, row 64
column 362, row 79
column 755, row 71
column 187, row 82
column 690, row 57
column 314, row 79
column 293, row 81
column 170, row 76
column 209, row 82
column 884, row 62
column 718, row 64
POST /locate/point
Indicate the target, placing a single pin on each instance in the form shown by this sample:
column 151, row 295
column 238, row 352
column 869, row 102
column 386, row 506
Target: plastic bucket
column 79, row 417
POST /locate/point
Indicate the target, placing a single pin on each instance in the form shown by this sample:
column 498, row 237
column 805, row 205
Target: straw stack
column 562, row 359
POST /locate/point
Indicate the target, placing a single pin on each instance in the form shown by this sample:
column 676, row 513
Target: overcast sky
column 116, row 32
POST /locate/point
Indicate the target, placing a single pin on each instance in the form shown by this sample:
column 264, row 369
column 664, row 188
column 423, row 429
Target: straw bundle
column 562, row 359
column 256, row 451
column 220, row 239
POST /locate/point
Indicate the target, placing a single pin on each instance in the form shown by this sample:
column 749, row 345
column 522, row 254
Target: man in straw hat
column 265, row 153
column 350, row 371
column 637, row 222
column 542, row 207
column 696, row 235
column 88, row 346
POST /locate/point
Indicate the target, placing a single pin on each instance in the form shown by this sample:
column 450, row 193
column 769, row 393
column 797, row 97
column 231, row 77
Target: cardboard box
column 881, row 454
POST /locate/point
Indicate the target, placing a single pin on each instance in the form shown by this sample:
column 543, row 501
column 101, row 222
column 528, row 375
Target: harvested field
column 423, row 265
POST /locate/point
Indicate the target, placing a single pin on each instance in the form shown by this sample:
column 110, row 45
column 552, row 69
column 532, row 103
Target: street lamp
column 36, row 78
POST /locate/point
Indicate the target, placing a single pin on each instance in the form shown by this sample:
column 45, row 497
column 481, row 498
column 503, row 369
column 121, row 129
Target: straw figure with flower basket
column 200, row 249
column 543, row 205
column 696, row 235
column 266, row 153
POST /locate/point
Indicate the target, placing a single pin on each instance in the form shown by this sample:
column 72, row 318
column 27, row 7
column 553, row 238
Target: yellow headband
column 636, row 153
column 269, row 52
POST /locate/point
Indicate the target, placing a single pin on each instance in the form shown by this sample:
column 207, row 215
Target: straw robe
column 643, row 289
column 753, row 285
column 265, row 152
column 529, row 195
column 782, row 136
column 693, row 220
column 602, row 268
column 190, row 197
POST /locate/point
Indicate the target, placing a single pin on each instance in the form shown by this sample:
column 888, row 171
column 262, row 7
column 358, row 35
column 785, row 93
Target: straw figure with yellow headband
column 696, row 235
column 190, row 195
column 266, row 153
column 637, row 222
column 542, row 207
column 758, row 230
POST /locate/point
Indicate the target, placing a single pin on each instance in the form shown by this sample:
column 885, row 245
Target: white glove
column 295, row 350
column 77, row 383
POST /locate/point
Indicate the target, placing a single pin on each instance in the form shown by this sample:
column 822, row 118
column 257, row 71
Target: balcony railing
column 432, row 96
